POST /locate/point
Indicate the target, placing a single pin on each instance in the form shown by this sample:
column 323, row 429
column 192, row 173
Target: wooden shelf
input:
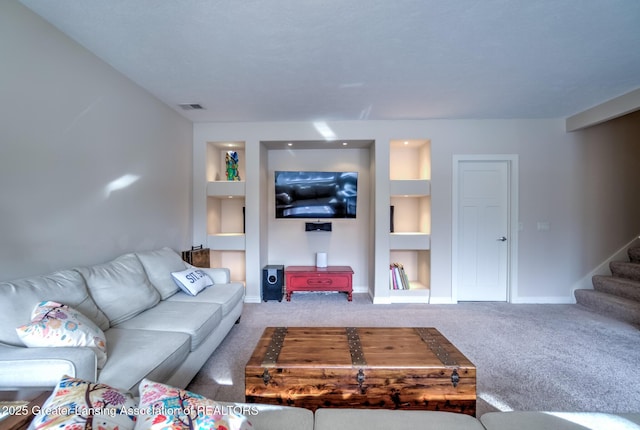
column 226, row 188
column 409, row 241
column 410, row 187
column 226, row 242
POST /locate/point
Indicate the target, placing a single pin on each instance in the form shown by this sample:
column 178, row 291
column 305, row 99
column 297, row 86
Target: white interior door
column 482, row 231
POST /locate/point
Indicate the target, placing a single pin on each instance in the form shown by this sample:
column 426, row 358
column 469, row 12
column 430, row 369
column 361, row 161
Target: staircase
column 617, row 295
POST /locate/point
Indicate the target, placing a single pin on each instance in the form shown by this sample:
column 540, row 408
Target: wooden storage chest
column 392, row 368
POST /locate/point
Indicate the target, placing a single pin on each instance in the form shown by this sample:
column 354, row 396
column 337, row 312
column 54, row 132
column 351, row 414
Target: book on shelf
column 398, row 279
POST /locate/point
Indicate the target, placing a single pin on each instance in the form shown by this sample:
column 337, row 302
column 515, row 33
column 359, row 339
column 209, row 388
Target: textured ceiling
column 322, row 60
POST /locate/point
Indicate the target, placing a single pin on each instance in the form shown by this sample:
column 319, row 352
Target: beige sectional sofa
column 274, row 417
column 270, row 417
column 289, row 418
column 152, row 328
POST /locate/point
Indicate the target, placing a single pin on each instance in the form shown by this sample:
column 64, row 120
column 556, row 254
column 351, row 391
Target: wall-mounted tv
column 316, row 194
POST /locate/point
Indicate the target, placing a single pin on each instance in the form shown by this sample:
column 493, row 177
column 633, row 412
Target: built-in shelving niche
column 410, row 196
column 226, row 209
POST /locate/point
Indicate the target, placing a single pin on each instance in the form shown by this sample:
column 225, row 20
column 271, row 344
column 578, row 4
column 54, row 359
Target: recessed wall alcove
column 351, row 240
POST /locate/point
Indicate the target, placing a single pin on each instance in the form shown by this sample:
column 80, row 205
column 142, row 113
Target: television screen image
column 316, row 194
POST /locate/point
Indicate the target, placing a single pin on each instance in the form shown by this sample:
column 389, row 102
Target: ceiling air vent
column 191, row 106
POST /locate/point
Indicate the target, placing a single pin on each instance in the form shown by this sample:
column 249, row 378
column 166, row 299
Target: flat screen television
column 302, row 194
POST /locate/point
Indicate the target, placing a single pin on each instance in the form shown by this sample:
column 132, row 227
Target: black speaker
column 272, row 282
column 317, row 226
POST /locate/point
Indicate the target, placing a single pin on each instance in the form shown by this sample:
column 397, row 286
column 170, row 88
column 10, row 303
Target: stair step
column 617, row 286
column 634, row 254
column 625, row 269
column 606, row 304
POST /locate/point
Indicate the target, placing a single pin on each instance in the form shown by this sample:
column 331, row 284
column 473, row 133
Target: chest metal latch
column 266, row 377
column 455, row 378
column 360, row 379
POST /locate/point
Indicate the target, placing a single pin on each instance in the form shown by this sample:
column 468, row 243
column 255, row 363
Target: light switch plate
column 543, row 225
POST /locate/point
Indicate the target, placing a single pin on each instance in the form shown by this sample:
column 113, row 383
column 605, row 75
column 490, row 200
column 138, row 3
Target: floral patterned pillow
column 165, row 407
column 76, row 404
column 54, row 324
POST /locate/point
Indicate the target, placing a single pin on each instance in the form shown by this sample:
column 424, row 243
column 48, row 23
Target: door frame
column 512, row 218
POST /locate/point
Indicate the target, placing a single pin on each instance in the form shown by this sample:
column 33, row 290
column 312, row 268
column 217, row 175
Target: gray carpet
column 528, row 357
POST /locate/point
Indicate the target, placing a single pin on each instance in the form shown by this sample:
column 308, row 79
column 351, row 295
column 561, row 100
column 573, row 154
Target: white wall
column 70, row 126
column 583, row 184
column 605, row 189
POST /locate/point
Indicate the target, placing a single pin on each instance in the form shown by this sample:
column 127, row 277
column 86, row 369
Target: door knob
column 502, row 239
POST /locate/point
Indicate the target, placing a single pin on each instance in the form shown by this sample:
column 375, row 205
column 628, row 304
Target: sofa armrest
column 44, row 367
column 219, row 275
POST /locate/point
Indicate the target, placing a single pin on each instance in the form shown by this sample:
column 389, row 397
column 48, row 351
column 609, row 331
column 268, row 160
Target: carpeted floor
column 528, row 357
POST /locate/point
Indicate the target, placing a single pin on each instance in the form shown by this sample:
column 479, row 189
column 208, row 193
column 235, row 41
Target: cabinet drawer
column 318, row 281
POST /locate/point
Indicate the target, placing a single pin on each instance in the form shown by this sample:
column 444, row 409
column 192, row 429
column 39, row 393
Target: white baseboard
column 519, row 300
column 252, row 299
column 442, row 301
column 360, row 289
column 555, row 300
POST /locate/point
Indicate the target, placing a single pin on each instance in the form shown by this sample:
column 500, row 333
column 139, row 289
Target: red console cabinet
column 312, row 278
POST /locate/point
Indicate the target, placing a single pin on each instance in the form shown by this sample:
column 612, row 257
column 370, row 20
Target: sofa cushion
column 159, row 264
column 138, row 354
column 382, row 419
column 525, row 420
column 56, row 325
column 226, row 295
column 75, row 401
column 197, row 320
column 192, row 281
column 17, row 299
column 275, row 417
column 176, row 407
column 120, row 288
